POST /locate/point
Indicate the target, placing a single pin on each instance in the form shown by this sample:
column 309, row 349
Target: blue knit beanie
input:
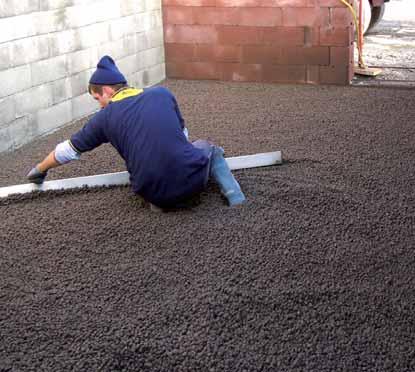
column 107, row 73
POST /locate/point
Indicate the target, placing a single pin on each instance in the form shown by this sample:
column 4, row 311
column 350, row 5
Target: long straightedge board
column 123, row 178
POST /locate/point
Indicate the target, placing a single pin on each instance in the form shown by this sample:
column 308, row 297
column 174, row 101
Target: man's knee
column 204, row 145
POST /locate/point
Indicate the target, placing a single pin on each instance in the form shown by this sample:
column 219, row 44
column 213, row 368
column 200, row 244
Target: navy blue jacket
column 146, row 128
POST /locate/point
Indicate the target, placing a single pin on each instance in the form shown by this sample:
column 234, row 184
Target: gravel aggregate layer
column 315, row 272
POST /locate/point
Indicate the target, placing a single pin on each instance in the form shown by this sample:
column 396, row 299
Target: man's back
column 147, row 131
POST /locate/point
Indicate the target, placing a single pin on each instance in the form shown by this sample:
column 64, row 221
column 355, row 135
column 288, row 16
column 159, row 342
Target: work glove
column 36, row 176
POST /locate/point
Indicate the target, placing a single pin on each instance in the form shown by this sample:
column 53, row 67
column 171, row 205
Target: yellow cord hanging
column 359, row 31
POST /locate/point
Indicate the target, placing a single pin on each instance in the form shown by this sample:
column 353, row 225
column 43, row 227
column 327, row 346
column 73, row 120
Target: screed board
column 123, row 178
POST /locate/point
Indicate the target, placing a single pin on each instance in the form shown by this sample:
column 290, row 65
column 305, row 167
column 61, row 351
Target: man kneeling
column 147, row 129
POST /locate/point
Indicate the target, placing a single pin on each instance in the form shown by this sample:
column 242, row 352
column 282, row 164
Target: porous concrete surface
column 316, row 272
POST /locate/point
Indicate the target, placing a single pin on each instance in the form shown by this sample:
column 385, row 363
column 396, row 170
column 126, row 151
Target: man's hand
column 36, row 176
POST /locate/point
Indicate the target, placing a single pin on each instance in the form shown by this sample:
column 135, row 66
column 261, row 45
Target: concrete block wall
column 49, row 49
column 287, row 41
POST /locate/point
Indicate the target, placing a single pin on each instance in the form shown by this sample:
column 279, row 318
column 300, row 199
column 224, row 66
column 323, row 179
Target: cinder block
column 29, row 50
column 313, row 75
column 128, row 65
column 155, row 37
column 17, row 133
column 87, row 13
column 55, row 4
column 311, row 36
column 145, row 76
column 287, row 74
column 179, row 15
column 78, row 2
column 13, row 8
column 140, row 22
column 113, row 48
column 291, row 3
column 63, row 42
column 239, row 3
column 319, row 56
column 203, row 70
column 261, row 54
column 337, row 75
column 5, row 56
column 18, row 27
column 83, row 105
column 336, row 36
column 132, row 80
column 218, row 53
column 48, row 70
column 49, row 21
column 148, row 77
column 157, row 73
column 93, row 35
column 153, row 56
column 152, row 20
column 6, row 9
column 341, row 17
column 33, row 99
column 15, row 80
column 79, row 82
column 120, row 27
column 129, row 44
column 267, row 3
column 107, row 10
column 5, row 139
column 190, row 3
column 129, row 7
column 61, row 90
column 341, row 56
column 79, row 16
column 216, row 16
column 240, row 72
column 153, row 4
column 191, row 34
column 143, row 40
column 26, row 6
column 174, row 69
column 333, row 3
column 53, row 117
column 260, row 17
column 239, row 35
column 293, row 36
column 141, row 61
column 7, row 110
column 306, row 16
column 181, row 52
column 82, row 60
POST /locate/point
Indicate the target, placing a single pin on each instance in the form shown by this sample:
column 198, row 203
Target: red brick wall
column 291, row 41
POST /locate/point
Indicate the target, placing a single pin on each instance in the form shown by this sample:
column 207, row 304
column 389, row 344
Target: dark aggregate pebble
column 315, row 273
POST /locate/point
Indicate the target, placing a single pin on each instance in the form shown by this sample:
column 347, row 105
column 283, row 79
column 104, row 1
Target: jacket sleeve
column 179, row 114
column 177, row 109
column 92, row 135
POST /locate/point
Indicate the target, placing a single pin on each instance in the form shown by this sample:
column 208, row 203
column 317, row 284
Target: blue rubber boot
column 222, row 174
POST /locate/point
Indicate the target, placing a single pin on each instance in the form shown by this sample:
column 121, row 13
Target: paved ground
column 315, row 273
column 391, row 45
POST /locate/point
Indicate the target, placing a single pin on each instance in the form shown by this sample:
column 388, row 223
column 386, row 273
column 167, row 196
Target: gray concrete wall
column 49, row 49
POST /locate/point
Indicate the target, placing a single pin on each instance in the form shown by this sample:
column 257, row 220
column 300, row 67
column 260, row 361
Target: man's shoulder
column 160, row 90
